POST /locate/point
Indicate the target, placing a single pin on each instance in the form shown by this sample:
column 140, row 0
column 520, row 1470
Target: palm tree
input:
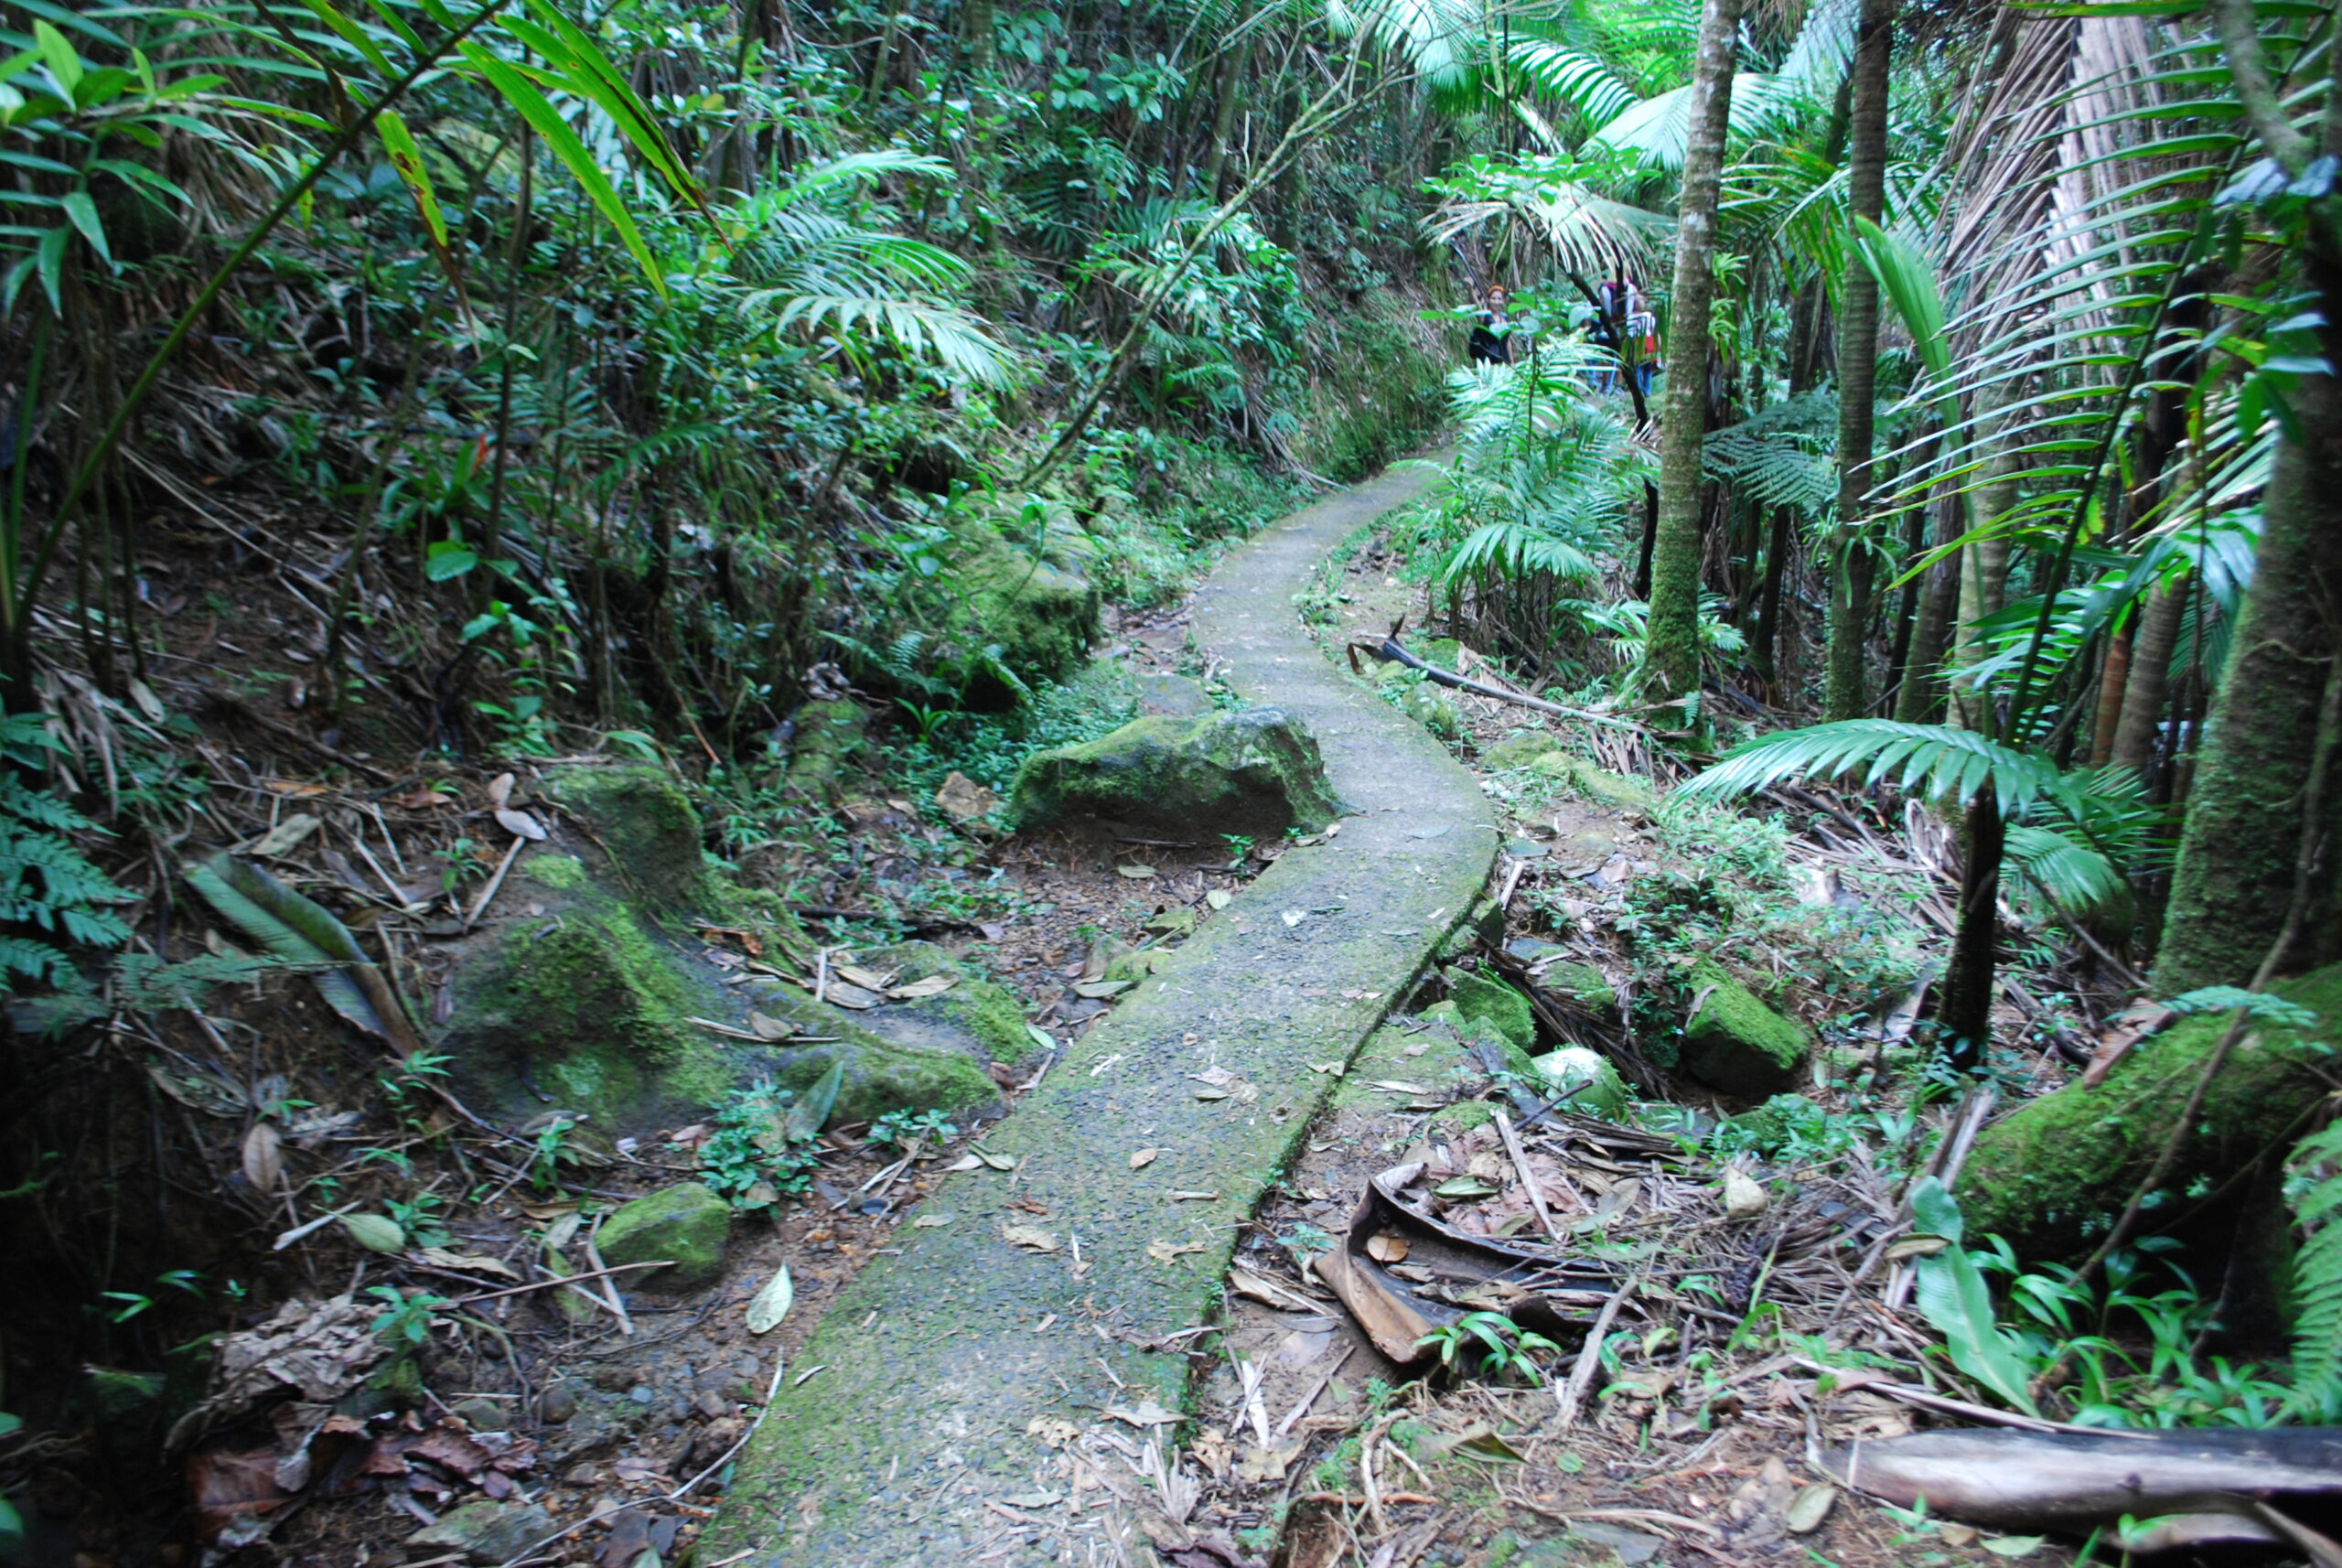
column 1858, row 366
column 1672, row 658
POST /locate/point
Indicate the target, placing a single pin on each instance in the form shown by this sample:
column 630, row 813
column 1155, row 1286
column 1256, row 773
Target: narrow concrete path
column 1028, row 1304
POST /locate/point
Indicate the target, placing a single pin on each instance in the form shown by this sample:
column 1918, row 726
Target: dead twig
column 1589, row 1358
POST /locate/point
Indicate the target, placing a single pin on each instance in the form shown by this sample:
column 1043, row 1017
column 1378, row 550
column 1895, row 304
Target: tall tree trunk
column 1920, row 702
column 1983, row 566
column 2114, row 679
column 2256, row 857
column 1850, row 609
column 2147, row 678
column 1224, row 123
column 1673, row 658
column 2242, row 850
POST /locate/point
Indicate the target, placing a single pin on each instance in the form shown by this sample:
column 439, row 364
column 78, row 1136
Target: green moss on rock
column 642, row 821
column 1480, row 996
column 1615, row 791
column 686, row 1224
column 1520, row 750
column 562, row 873
column 1602, row 1092
column 1735, row 1042
column 985, row 1012
column 829, row 734
column 1256, row 771
column 1040, row 614
column 1582, row 983
column 2051, row 1175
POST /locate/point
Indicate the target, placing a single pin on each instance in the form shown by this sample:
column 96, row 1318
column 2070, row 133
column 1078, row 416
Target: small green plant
column 1501, row 1348
column 1239, row 848
column 131, row 1304
column 421, row 1218
column 405, row 1319
column 759, row 1154
column 900, row 1129
column 52, row 899
column 554, row 1151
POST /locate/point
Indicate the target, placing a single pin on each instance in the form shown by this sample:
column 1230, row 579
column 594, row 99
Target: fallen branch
column 1389, row 652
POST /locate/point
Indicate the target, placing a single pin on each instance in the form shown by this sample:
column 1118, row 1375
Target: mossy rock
column 1512, row 1056
column 1455, row 1121
column 1041, row 613
column 1433, row 708
column 2051, row 1175
column 1614, row 790
column 1519, row 750
column 686, row 1224
column 830, row 733
column 1604, row 1092
column 1484, row 997
column 1735, row 1042
column 1172, row 695
column 641, row 821
column 1483, row 922
column 589, row 1001
column 986, row 1020
column 1254, row 771
column 1582, row 983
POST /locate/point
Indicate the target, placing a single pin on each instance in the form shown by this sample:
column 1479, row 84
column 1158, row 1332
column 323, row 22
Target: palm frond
column 1935, row 761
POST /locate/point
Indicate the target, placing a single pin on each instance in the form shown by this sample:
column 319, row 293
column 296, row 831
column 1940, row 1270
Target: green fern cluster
column 52, row 899
column 2317, row 1180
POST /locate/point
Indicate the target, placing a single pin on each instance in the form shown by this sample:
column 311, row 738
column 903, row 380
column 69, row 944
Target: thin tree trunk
column 1920, row 702
column 2147, row 681
column 1223, row 122
column 1965, row 1007
column 1850, row 609
column 1673, row 657
column 2114, row 679
column 1983, row 566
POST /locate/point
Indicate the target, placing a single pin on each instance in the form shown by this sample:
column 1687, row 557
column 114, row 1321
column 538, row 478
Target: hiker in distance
column 1491, row 342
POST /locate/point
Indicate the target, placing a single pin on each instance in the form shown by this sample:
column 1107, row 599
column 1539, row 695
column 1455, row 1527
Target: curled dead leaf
column 521, row 825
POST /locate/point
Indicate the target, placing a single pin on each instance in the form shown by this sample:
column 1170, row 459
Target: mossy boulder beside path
column 1734, row 1042
column 589, row 987
column 1256, row 770
column 684, row 1226
column 2052, row 1176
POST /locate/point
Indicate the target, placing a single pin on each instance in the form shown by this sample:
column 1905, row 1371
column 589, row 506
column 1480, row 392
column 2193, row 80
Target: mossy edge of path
column 1024, row 1306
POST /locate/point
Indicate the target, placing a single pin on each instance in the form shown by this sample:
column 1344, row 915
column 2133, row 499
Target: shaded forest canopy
column 733, row 440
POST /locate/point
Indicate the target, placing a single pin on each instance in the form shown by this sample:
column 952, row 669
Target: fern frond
column 2314, row 1175
column 1937, row 761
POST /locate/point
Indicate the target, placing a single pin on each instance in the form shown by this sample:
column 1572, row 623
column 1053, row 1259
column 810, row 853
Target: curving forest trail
column 1030, row 1304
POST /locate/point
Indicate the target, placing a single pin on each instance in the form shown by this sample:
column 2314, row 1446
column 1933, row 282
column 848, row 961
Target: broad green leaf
column 448, row 559
column 407, row 158
column 594, row 77
column 292, row 927
column 351, row 34
column 63, row 61
column 546, row 121
column 84, row 214
column 1954, row 1297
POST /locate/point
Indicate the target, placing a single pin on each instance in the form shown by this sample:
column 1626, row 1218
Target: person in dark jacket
column 1491, row 343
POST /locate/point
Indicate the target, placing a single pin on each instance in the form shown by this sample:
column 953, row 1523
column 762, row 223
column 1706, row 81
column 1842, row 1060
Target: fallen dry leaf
column 1144, row 1158
column 1031, row 1237
column 1137, row 873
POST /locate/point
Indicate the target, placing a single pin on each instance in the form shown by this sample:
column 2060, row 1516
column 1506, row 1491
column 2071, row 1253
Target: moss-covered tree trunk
column 1846, row 694
column 2256, row 868
column 2242, row 851
column 1673, row 658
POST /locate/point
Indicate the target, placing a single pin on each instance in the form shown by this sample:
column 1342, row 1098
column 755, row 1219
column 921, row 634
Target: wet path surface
column 1032, row 1305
